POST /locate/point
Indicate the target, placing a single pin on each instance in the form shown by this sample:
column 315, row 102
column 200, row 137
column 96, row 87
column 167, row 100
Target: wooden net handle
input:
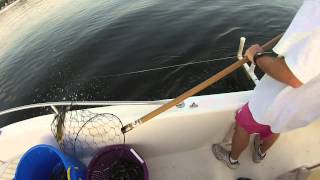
column 270, row 44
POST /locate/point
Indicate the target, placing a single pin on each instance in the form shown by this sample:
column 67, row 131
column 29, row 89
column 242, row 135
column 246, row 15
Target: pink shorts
column 245, row 120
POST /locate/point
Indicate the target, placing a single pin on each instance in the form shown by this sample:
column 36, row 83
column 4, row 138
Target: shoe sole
column 213, row 149
column 254, row 151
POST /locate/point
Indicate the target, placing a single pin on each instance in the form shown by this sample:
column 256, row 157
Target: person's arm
column 278, row 69
column 274, row 67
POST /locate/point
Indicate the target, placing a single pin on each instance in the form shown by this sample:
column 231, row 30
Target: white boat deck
column 293, row 149
column 8, row 169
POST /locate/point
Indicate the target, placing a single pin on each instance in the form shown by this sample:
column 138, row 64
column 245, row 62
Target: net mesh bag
column 82, row 133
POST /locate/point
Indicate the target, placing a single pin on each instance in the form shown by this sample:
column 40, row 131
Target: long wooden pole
column 270, row 44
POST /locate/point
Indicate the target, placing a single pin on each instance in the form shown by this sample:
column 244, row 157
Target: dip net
column 81, row 133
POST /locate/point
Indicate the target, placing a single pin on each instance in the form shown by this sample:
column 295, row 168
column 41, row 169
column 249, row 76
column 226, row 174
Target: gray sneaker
column 257, row 157
column 223, row 155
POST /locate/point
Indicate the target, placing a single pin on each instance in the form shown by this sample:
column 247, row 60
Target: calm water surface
column 59, row 50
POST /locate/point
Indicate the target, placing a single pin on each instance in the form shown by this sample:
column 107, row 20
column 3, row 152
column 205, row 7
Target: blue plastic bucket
column 46, row 162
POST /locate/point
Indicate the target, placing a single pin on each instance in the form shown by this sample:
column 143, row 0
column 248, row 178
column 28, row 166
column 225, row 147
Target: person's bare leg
column 240, row 141
column 267, row 143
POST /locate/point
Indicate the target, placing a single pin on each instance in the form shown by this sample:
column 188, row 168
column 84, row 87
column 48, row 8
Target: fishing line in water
column 157, row 68
column 167, row 67
column 172, row 66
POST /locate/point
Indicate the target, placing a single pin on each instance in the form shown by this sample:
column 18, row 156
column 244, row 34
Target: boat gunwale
column 81, row 103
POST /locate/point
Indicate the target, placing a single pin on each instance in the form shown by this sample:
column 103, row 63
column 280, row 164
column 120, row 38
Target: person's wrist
column 252, row 51
column 257, row 56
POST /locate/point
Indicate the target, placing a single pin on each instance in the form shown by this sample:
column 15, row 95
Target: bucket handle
column 69, row 173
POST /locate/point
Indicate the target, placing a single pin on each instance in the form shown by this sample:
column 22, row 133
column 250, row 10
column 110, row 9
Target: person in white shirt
column 288, row 95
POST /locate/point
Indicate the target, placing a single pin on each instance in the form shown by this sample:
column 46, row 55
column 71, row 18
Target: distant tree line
column 4, row 3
